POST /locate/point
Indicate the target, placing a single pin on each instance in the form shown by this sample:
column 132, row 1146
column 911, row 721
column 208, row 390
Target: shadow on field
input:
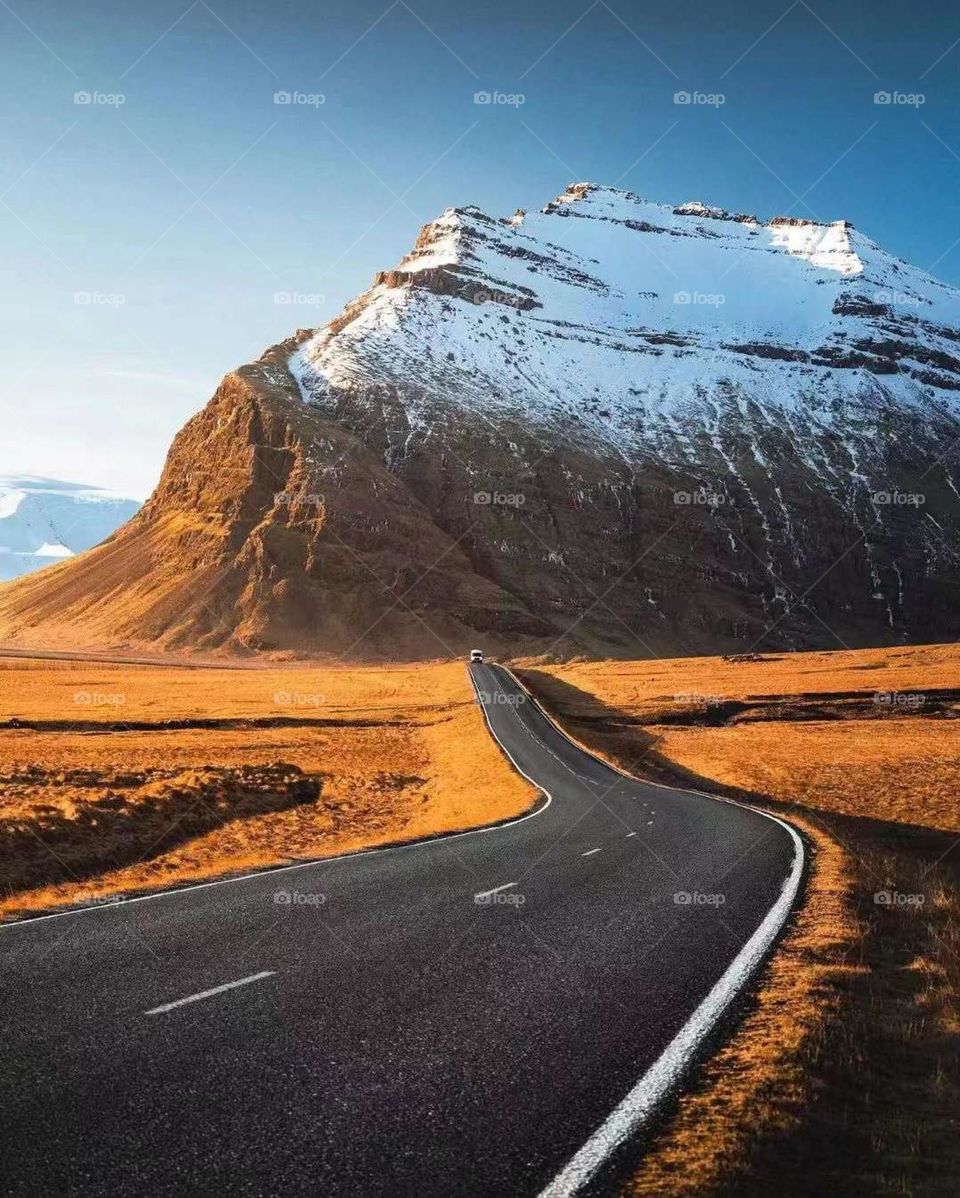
column 81, row 837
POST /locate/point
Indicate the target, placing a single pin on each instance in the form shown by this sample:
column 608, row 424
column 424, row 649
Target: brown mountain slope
column 278, row 526
column 252, row 542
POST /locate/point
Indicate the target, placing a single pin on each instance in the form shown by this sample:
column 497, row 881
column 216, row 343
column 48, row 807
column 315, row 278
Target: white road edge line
column 182, row 1002
column 590, row 852
column 496, row 890
column 637, row 1106
column 283, row 869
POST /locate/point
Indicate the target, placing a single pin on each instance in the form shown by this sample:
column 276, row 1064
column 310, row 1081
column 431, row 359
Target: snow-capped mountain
column 611, row 426
column 45, row 520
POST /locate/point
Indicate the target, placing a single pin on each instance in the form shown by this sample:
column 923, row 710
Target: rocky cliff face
column 611, row 426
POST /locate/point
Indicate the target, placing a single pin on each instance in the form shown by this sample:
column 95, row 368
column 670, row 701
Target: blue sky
column 147, row 234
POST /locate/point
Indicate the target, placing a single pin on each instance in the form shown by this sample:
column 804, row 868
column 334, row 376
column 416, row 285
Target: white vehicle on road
column 476, row 655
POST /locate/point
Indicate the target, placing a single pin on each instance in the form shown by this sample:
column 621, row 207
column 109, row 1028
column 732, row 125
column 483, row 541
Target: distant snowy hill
column 44, row 520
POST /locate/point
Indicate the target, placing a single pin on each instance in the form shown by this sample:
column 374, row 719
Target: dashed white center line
column 180, row 1002
column 590, row 852
column 485, row 894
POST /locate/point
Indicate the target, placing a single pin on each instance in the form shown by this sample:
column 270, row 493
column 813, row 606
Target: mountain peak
column 651, row 287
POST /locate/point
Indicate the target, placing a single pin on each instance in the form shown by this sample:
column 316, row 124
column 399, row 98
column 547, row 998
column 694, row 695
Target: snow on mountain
column 606, row 294
column 45, row 520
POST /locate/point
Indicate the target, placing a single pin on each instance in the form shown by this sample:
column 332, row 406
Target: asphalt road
column 393, row 1034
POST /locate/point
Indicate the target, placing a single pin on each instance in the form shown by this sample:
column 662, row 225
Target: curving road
column 490, row 1013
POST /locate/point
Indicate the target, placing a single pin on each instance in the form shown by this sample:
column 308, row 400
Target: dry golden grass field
column 844, row 1077
column 116, row 779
